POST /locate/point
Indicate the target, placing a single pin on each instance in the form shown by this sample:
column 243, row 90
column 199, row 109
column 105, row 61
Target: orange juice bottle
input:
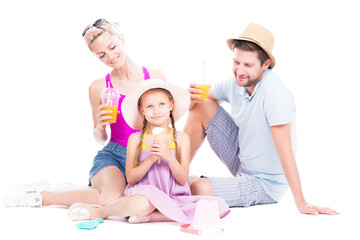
column 205, row 91
column 110, row 97
column 113, row 114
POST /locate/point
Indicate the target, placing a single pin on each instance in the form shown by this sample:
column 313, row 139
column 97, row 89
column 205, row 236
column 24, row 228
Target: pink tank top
column 120, row 131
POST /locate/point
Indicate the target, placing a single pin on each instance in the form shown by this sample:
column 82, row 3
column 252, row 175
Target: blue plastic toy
column 90, row 225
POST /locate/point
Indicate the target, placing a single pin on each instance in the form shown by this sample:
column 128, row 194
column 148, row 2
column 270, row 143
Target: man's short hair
column 250, row 46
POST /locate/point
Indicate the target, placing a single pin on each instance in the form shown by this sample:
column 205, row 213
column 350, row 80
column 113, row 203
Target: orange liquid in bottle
column 205, row 88
column 113, row 114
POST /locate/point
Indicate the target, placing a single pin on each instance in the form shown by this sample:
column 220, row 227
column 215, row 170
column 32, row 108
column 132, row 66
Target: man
column 256, row 141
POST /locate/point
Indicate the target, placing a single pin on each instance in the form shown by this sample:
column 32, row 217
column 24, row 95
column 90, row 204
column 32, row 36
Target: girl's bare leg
column 157, row 216
column 124, row 207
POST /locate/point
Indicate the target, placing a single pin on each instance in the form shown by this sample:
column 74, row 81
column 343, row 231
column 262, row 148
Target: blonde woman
column 107, row 175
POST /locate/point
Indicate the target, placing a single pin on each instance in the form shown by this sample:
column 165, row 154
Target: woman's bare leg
column 68, row 198
column 107, row 185
column 111, row 183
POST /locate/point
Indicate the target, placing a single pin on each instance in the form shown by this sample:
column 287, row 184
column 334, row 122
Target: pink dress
column 166, row 194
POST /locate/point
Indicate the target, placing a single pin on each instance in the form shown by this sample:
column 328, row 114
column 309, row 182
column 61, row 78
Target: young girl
column 107, row 175
column 156, row 170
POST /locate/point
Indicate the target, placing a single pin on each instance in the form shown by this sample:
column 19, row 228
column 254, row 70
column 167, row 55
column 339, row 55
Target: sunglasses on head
column 96, row 24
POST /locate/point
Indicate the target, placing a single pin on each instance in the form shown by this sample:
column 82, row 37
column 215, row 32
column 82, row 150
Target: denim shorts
column 242, row 190
column 113, row 154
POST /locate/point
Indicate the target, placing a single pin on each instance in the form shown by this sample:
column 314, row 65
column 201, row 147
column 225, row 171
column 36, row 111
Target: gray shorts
column 242, row 190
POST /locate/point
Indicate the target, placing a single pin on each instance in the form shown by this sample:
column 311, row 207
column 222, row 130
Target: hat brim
column 129, row 106
column 272, row 58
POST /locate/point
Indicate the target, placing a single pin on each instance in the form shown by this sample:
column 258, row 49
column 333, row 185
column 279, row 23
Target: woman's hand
column 100, row 117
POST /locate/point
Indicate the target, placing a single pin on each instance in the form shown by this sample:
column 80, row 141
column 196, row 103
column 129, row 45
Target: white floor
column 278, row 221
column 325, row 183
column 38, row 144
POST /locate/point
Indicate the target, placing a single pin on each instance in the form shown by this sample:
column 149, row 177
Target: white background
column 46, row 69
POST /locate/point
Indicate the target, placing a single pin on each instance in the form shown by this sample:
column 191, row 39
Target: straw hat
column 259, row 35
column 206, row 219
column 129, row 106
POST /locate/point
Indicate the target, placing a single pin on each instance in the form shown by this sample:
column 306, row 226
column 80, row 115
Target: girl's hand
column 160, row 149
column 100, row 116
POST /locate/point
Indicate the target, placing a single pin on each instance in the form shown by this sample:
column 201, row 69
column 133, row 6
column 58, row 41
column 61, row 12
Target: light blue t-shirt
column 270, row 104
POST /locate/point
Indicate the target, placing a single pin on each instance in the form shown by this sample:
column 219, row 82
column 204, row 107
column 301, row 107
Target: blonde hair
column 143, row 130
column 94, row 32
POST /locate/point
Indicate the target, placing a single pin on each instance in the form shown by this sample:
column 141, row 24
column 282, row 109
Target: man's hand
column 307, row 208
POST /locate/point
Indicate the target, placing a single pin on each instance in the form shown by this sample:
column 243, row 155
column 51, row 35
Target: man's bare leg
column 199, row 116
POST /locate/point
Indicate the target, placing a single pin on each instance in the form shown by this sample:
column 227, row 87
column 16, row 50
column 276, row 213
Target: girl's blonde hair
column 143, row 130
column 94, row 32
